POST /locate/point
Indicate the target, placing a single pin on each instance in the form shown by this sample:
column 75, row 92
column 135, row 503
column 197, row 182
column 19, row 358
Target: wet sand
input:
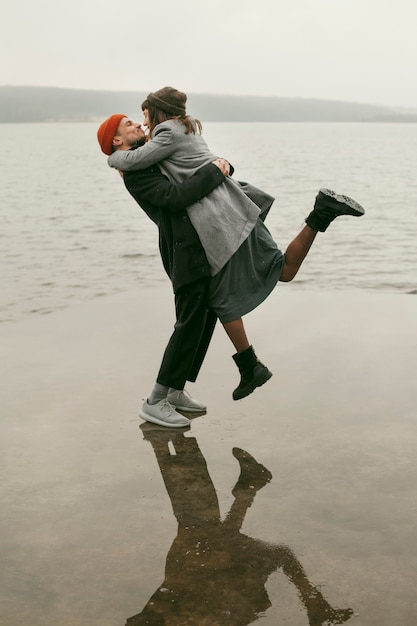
column 296, row 505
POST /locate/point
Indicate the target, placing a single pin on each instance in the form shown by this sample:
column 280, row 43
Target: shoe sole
column 250, row 389
column 153, row 432
column 155, row 420
column 343, row 204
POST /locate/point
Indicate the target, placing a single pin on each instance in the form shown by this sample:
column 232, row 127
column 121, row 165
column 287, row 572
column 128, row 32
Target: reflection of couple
column 215, row 247
column 215, row 574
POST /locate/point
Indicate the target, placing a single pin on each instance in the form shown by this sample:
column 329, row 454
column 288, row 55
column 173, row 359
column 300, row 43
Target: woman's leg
column 236, row 332
column 297, row 252
column 253, row 373
column 327, row 207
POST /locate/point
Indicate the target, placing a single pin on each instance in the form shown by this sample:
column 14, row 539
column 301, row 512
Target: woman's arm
column 160, row 147
column 152, row 187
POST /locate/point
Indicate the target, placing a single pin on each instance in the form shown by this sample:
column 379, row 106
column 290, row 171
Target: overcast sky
column 353, row 50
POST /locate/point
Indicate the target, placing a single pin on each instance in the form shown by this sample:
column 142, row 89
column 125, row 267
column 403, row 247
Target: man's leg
column 205, row 339
column 182, row 357
column 183, row 349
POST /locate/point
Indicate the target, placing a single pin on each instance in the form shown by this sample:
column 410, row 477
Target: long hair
column 157, row 116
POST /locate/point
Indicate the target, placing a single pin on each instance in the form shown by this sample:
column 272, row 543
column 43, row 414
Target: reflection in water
column 214, row 574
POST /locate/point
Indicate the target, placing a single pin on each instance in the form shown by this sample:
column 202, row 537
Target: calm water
column 70, row 231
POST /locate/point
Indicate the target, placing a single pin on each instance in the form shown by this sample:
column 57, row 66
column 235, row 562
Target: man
column 185, row 262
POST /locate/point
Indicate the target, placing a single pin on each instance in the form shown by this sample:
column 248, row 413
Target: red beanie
column 107, row 131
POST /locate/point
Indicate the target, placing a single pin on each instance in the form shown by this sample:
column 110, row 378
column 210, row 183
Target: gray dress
column 248, row 277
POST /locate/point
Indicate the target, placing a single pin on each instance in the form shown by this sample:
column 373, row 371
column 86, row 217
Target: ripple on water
column 68, row 237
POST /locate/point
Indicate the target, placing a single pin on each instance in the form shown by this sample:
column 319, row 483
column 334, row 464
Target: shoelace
column 164, row 404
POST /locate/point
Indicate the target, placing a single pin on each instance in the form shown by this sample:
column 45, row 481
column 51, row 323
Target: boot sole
column 342, row 204
column 258, row 382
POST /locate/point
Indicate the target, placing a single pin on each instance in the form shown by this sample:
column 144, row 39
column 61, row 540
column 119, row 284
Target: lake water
column 71, row 232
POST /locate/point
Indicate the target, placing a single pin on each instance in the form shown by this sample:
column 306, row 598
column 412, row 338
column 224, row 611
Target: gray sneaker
column 184, row 402
column 163, row 414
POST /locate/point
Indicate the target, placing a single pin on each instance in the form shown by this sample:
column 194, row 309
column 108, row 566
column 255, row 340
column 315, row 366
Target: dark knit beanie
column 107, row 132
column 169, row 100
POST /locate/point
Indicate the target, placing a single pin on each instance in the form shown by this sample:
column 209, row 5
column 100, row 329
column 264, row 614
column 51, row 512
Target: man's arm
column 152, row 187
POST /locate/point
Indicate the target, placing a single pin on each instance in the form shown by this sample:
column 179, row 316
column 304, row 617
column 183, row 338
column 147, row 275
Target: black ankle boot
column 330, row 205
column 252, row 373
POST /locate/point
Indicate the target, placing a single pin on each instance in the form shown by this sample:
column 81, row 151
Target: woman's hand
column 223, row 165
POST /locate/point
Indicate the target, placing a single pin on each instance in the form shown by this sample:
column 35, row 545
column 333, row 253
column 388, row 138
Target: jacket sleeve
column 152, row 187
column 261, row 198
column 160, row 147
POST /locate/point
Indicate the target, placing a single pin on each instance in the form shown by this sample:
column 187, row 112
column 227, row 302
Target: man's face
column 128, row 134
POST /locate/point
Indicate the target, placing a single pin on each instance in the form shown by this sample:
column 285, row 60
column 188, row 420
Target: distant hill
column 54, row 104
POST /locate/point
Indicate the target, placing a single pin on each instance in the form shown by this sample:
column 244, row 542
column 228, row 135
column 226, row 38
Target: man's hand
column 223, row 165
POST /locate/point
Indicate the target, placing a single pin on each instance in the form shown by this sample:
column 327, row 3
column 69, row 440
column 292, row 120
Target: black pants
column 192, row 334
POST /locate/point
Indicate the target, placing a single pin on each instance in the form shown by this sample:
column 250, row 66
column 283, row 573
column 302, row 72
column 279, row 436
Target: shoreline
column 160, row 282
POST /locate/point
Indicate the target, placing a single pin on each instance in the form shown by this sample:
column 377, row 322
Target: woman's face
column 145, row 118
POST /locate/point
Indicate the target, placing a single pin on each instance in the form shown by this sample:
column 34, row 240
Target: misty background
column 353, row 51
